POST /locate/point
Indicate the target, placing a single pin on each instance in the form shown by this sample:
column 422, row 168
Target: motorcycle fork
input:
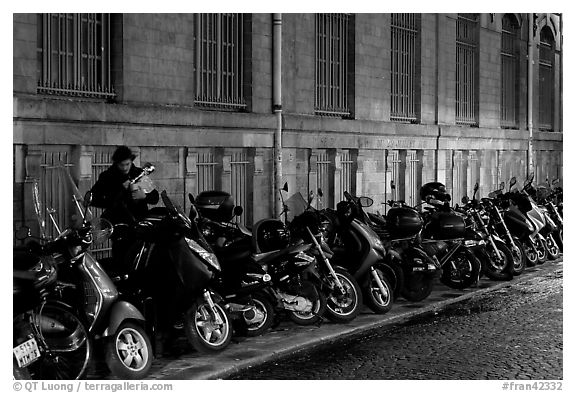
column 490, row 237
column 327, row 263
column 449, row 255
column 210, row 302
column 378, row 280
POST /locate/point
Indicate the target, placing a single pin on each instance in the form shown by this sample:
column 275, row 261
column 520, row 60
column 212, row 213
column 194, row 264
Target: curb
column 343, row 331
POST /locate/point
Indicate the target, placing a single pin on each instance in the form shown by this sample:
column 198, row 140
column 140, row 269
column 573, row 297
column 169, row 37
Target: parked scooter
column 85, row 286
column 543, row 196
column 50, row 341
column 267, row 248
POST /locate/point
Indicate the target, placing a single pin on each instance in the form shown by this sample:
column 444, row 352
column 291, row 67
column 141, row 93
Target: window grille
column 466, row 69
column 323, row 179
column 412, row 175
column 206, row 175
column 393, row 165
column 240, row 184
column 219, row 61
column 347, row 176
column 101, row 160
column 52, row 192
column 331, row 72
column 546, row 87
column 509, row 76
column 74, row 55
column 403, row 67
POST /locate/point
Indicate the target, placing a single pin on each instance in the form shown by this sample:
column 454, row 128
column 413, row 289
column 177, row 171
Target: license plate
column 26, row 353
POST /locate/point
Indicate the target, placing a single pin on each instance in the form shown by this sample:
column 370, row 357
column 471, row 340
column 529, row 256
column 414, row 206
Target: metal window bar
column 346, row 176
column 206, row 168
column 546, row 85
column 74, row 55
column 101, row 160
column 403, row 67
column 323, row 177
column 466, row 89
column 394, row 166
column 459, row 175
column 509, row 75
column 239, row 182
column 218, row 64
column 52, row 192
column 412, row 174
column 331, row 59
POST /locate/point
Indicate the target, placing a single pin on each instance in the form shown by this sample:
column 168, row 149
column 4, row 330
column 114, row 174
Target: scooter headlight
column 208, row 257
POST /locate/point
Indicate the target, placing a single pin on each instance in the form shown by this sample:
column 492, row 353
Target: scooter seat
column 267, row 257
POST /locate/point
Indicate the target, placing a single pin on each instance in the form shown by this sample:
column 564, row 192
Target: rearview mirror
column 22, row 233
column 320, row 193
column 502, row 185
column 512, row 181
column 465, row 199
column 238, row 210
column 285, row 188
column 191, row 198
column 87, row 199
column 476, row 186
column 392, row 185
column 365, row 201
column 555, row 181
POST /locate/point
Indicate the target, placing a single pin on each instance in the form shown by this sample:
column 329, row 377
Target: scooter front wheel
column 208, row 330
column 541, row 250
column 343, row 307
column 531, row 253
column 552, row 247
column 379, row 300
column 129, row 352
column 519, row 257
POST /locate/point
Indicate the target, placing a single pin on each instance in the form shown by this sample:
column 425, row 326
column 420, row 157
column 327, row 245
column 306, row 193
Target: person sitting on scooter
column 123, row 202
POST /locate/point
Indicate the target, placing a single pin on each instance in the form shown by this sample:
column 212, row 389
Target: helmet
column 435, row 190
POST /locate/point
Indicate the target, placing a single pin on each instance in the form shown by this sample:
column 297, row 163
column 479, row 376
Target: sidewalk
column 289, row 338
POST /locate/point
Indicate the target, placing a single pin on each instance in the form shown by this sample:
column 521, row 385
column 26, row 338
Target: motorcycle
column 497, row 259
column 50, row 341
column 86, row 287
column 546, row 198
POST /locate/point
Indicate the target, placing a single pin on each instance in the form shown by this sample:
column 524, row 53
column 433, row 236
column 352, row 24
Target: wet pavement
column 414, row 339
column 511, row 333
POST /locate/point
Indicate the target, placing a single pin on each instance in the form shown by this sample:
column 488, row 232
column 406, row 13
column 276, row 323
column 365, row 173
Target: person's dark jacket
column 110, row 194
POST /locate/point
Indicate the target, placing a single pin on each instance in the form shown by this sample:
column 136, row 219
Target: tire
column 559, row 237
column 343, row 307
column 259, row 321
column 541, row 250
column 531, row 253
column 552, row 247
column 417, row 287
column 466, row 273
column 314, row 295
column 519, row 257
column 499, row 270
column 203, row 332
column 129, row 352
column 376, row 301
column 70, row 348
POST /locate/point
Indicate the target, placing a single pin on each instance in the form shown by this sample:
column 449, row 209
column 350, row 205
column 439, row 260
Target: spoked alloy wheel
column 129, row 352
column 343, row 307
column 466, row 272
column 205, row 333
column 541, row 250
column 519, row 257
column 552, row 247
column 531, row 254
column 68, row 345
column 260, row 318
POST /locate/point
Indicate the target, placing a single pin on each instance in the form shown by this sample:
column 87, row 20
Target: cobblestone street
column 511, row 333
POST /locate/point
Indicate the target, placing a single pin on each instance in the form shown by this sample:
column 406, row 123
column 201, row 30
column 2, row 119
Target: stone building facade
column 152, row 106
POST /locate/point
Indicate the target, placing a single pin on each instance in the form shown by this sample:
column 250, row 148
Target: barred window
column 331, row 73
column 74, row 55
column 546, row 86
column 509, row 75
column 467, row 69
column 404, row 75
column 219, row 60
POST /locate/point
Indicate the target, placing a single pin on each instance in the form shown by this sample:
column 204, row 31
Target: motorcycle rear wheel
column 129, row 352
column 343, row 307
column 466, row 273
column 417, row 287
column 318, row 306
column 266, row 311
column 204, row 333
